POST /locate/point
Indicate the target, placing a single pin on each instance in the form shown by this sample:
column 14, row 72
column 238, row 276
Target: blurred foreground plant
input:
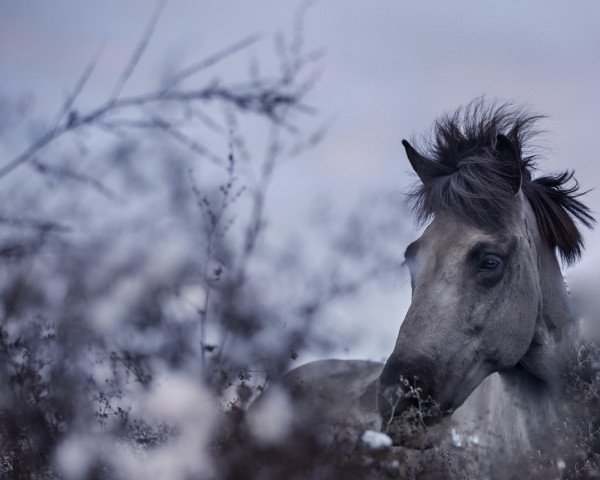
column 141, row 306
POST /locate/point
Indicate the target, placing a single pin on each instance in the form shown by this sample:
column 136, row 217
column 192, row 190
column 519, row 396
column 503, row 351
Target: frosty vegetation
column 142, row 307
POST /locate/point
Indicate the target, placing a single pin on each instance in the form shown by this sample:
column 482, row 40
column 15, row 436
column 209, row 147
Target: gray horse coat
column 480, row 353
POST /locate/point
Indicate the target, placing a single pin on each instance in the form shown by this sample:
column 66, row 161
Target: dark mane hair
column 472, row 179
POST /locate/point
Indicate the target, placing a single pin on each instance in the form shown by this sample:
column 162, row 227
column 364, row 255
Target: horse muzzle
column 410, row 413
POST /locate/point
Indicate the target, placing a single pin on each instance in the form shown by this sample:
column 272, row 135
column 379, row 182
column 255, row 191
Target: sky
column 390, row 68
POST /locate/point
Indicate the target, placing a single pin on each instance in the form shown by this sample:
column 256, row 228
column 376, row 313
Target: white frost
column 456, row 438
column 185, row 404
column 74, row 457
column 376, row 440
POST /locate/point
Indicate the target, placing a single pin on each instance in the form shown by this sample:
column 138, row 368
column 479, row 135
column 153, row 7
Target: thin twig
column 75, row 176
column 211, row 60
column 139, row 50
column 41, row 225
column 256, row 223
column 78, row 88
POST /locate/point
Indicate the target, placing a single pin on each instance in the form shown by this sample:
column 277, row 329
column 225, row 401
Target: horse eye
column 490, row 262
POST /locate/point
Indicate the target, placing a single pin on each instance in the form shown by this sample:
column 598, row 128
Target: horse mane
column 473, row 183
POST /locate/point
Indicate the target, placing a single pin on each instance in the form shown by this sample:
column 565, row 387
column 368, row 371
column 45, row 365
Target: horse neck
column 526, row 396
column 511, row 407
column 556, row 330
column 524, row 400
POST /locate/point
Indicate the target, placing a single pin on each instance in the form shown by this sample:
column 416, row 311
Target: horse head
column 487, row 290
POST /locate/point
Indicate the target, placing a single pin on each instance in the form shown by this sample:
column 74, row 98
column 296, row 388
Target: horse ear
column 425, row 168
column 512, row 162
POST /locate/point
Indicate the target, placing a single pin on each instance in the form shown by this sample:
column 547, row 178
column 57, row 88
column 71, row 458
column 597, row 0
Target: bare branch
column 264, row 102
column 212, row 60
column 32, row 223
column 270, row 98
column 170, row 129
column 47, row 138
column 77, row 89
column 139, row 50
column 66, row 173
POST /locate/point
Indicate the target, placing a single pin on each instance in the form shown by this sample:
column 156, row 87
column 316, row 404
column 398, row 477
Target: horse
column 482, row 350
